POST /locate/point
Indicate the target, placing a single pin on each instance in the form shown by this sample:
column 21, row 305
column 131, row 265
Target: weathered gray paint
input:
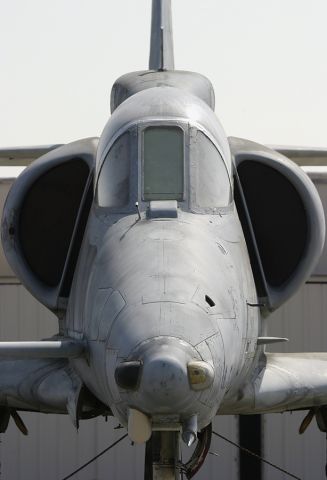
column 304, row 156
column 45, row 349
column 164, row 291
column 130, row 83
column 318, row 174
column 54, row 448
column 23, row 155
column 161, row 50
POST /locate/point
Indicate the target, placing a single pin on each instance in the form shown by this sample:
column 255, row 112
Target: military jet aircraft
column 162, row 247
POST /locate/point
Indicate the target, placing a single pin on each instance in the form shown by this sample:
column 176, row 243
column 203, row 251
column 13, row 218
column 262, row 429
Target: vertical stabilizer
column 161, row 50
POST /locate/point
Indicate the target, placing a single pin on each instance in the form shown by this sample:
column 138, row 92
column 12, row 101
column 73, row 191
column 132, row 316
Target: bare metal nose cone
column 165, row 378
column 164, row 383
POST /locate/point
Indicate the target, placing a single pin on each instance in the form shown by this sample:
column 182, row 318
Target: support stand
column 162, row 456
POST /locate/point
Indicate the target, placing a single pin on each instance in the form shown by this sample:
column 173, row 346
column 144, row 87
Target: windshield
column 210, row 177
column 113, row 184
column 163, row 163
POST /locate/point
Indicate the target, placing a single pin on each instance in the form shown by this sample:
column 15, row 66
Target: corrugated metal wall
column 302, row 320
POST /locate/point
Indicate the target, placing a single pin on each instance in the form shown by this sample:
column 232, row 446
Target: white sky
column 267, row 60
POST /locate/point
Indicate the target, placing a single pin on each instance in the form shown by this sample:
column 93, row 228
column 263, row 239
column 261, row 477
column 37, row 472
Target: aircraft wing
column 23, row 155
column 282, row 382
column 303, row 155
column 37, row 377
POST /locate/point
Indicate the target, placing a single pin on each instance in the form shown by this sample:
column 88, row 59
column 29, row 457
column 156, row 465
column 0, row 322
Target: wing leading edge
column 282, row 382
column 37, row 376
column 303, row 155
column 24, row 155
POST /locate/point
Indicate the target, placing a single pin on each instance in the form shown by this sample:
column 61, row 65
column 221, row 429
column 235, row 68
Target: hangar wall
column 303, row 321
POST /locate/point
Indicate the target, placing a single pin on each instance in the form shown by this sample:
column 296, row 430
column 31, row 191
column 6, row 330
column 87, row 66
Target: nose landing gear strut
column 162, row 455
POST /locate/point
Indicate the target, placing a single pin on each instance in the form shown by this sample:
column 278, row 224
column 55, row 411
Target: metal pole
column 162, row 455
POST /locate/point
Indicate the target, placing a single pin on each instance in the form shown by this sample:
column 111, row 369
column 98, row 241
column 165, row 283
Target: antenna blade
column 161, row 50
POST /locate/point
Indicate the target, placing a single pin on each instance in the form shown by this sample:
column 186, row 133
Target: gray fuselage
column 171, row 283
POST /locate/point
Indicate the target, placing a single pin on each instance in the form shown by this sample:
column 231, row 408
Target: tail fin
column 161, row 50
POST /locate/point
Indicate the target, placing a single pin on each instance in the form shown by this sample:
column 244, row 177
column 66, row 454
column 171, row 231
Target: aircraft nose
column 164, row 376
column 168, row 381
column 165, row 380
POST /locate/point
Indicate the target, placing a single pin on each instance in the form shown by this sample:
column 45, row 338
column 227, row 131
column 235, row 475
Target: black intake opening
column 47, row 218
column 278, row 218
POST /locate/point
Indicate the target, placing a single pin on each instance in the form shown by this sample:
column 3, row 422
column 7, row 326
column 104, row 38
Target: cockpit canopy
column 163, row 144
column 164, row 162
